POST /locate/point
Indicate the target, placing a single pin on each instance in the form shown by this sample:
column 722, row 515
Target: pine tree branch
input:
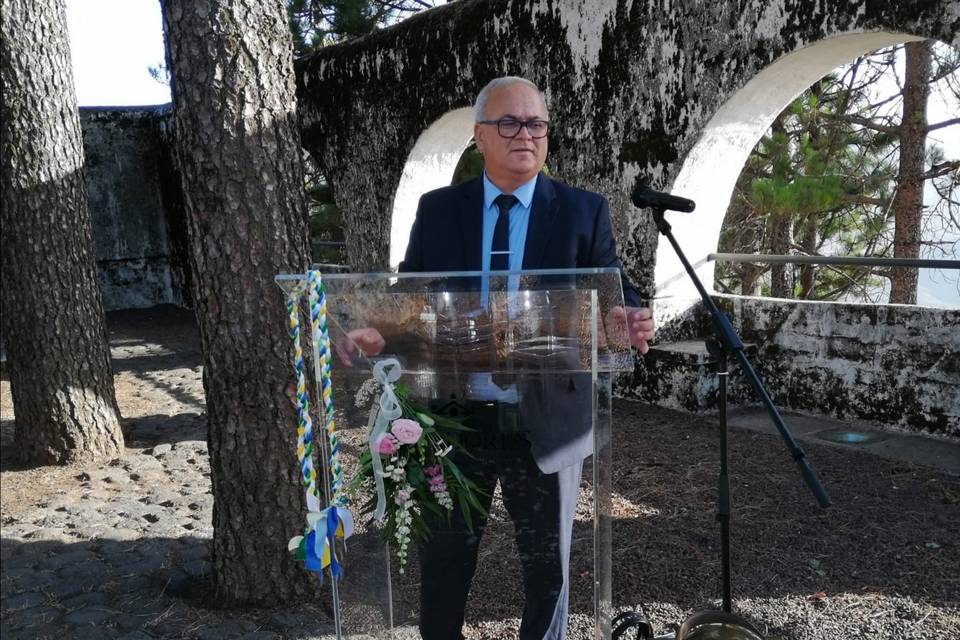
column 942, row 169
column 941, row 125
column 875, row 106
column 861, row 199
column 866, row 123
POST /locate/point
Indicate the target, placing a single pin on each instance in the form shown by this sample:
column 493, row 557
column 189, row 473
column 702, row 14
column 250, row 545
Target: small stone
column 121, row 533
column 230, row 629
column 22, row 601
column 65, row 588
column 286, row 620
column 197, row 568
column 87, row 616
column 135, row 635
column 85, row 599
column 161, row 449
column 49, row 535
column 34, row 616
column 178, row 583
column 79, row 557
column 259, row 635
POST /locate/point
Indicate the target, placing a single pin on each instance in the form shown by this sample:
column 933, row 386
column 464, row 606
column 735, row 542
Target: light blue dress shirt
column 519, row 221
column 480, row 385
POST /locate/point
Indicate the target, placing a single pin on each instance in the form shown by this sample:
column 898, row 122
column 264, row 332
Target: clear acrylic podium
column 539, row 349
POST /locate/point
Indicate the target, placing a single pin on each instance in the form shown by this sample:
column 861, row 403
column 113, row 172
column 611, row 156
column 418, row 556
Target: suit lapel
column 471, row 223
column 542, row 223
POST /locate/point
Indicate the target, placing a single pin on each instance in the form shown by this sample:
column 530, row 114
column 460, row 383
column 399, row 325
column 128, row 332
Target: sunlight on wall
column 430, row 166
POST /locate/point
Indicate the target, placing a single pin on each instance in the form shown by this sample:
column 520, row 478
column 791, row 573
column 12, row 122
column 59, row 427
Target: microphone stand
column 724, row 344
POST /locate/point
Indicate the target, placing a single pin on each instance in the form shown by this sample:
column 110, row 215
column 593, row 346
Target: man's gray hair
column 481, row 104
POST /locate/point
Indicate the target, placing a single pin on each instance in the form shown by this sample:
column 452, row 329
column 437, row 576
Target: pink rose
column 384, row 444
column 406, row 431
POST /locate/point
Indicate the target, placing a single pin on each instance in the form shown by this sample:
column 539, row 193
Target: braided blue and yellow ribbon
column 304, row 424
column 316, row 546
column 321, row 338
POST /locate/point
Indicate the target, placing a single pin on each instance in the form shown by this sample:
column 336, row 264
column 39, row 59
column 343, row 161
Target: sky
column 114, row 42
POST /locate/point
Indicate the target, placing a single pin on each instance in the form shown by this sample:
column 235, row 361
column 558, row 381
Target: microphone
column 644, row 196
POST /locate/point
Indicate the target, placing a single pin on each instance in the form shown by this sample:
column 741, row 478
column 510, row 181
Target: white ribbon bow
column 386, row 372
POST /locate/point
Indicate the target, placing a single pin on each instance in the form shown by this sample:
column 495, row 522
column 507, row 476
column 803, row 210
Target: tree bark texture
column 908, row 201
column 53, row 323
column 779, row 231
column 239, row 152
column 808, row 272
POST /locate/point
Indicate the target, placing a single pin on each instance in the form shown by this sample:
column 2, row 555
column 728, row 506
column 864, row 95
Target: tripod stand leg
column 719, row 353
column 723, row 492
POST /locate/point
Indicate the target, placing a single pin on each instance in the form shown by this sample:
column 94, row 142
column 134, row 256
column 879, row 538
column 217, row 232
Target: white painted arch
column 430, row 166
column 709, row 172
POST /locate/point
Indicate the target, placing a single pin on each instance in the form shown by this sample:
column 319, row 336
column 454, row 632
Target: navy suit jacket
column 568, row 228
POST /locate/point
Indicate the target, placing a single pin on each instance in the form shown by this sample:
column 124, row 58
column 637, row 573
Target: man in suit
column 514, row 217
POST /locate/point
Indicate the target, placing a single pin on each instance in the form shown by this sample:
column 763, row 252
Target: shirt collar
column 524, row 192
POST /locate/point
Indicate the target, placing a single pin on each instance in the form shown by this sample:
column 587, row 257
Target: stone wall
column 134, row 200
column 893, row 365
column 674, row 92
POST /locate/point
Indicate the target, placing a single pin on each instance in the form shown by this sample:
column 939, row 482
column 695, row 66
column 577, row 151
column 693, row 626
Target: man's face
column 510, row 162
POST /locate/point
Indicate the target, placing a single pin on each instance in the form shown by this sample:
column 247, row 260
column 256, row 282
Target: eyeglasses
column 510, row 127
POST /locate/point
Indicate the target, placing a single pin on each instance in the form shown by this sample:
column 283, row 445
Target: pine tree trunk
column 53, row 323
column 908, row 202
column 779, row 238
column 778, row 233
column 240, row 159
column 808, row 272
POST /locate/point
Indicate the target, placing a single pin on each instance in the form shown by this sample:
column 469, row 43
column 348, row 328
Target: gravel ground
column 121, row 549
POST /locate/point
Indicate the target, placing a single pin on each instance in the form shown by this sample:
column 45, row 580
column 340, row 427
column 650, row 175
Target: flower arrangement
column 409, row 466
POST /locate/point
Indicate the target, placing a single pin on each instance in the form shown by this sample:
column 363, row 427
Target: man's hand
column 634, row 322
column 366, row 342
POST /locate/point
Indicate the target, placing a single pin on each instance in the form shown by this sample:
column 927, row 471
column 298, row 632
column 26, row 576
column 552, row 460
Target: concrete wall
column 674, row 92
column 133, row 196
column 893, row 365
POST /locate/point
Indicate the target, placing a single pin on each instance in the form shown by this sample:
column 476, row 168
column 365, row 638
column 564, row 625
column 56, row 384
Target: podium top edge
column 284, row 277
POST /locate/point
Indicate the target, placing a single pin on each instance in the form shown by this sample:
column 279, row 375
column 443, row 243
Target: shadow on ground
column 880, row 563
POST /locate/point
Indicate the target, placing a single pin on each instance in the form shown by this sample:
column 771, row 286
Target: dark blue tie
column 500, row 249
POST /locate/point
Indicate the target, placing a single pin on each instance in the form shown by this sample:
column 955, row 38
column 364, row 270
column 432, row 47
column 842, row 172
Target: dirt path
column 121, row 549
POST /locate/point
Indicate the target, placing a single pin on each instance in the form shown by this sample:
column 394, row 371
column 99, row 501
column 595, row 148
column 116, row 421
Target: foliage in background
column 317, row 23
column 469, row 166
column 824, row 179
column 327, row 242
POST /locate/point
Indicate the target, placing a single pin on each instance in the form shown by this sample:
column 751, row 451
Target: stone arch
column 633, row 87
column 429, row 165
column 730, row 135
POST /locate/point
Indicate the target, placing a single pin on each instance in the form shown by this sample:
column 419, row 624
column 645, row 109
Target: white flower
column 403, row 520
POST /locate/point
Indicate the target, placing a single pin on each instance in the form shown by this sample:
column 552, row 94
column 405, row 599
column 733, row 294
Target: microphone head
column 644, row 197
